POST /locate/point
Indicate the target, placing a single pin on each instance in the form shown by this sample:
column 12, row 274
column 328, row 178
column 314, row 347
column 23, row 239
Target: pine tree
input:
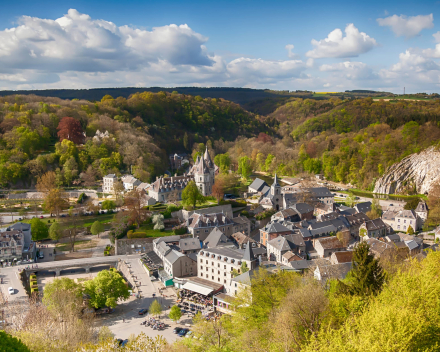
column 366, row 275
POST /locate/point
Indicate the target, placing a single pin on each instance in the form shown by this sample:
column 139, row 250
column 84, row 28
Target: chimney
column 175, row 174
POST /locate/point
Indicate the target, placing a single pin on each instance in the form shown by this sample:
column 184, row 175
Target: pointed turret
column 207, row 158
column 275, row 181
column 248, row 253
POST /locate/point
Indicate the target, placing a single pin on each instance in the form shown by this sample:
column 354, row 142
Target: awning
column 203, row 290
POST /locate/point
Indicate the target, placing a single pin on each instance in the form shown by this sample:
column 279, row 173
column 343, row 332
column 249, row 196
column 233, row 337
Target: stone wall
column 125, row 270
column 133, row 246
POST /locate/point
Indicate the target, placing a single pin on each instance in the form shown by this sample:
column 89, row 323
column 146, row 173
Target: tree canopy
column 191, row 195
column 70, row 128
column 39, row 230
column 97, row 228
column 9, row 343
column 106, row 289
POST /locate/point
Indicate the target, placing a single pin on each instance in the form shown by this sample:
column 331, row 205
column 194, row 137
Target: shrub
column 166, row 214
column 265, row 214
column 172, row 208
column 137, row 235
column 82, row 197
column 33, row 276
column 180, row 230
column 244, row 213
column 106, row 253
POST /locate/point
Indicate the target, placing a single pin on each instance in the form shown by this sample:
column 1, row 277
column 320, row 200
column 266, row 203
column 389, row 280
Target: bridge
column 86, row 263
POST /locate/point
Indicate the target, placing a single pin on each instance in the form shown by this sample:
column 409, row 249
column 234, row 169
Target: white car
column 11, row 290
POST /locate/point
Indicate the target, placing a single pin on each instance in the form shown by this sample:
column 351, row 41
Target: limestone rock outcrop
column 420, row 170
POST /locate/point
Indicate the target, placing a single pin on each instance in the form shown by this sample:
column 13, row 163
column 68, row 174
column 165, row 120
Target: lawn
column 65, row 247
column 151, row 232
column 84, row 221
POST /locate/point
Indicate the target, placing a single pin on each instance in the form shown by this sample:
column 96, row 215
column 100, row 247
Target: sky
column 282, row 45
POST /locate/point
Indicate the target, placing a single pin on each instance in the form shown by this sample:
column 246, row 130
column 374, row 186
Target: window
column 225, row 266
column 218, row 279
column 212, row 270
column 224, row 274
column 224, row 281
column 212, row 263
column 212, row 277
column 206, row 275
column 206, row 262
column 201, row 260
column 219, row 272
column 201, row 268
column 218, row 265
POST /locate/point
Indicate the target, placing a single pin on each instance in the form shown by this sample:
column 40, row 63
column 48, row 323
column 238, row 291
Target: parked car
column 189, row 334
column 177, row 330
column 143, row 311
column 183, row 332
column 41, row 217
column 391, row 205
column 11, row 291
column 41, row 255
column 63, row 215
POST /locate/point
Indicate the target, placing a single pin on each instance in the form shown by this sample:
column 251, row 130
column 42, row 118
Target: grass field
column 65, row 247
column 151, row 232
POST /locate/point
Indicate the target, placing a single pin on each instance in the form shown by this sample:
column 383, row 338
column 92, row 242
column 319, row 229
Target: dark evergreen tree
column 366, row 275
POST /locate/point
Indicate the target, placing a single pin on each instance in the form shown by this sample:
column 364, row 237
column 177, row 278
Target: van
column 41, row 255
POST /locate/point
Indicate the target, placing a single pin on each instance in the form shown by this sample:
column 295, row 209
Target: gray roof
column 248, row 252
column 188, row 244
column 246, row 278
column 276, row 227
column 227, row 252
column 167, row 239
column 275, row 181
column 258, row 184
column 216, row 238
column 411, row 244
column 335, row 271
column 321, row 192
column 110, row 176
column 303, row 208
column 407, row 214
column 173, row 256
column 363, row 207
column 422, row 206
column 20, row 226
column 392, row 238
column 288, row 242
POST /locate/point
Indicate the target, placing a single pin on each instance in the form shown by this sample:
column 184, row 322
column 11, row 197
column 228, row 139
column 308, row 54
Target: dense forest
column 142, row 129
column 348, row 140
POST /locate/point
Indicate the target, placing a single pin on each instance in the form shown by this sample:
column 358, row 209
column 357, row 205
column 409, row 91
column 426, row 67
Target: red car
column 41, row 217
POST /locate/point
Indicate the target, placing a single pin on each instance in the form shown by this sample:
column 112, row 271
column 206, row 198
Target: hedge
column 180, row 230
column 132, row 234
column 31, row 277
column 34, row 290
column 106, row 253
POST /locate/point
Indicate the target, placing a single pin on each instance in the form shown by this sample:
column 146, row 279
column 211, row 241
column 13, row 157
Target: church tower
column 202, row 177
column 275, row 192
column 210, row 165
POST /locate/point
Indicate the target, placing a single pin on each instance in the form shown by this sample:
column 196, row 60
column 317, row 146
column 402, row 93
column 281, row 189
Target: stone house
column 328, row 245
column 406, row 218
column 341, row 257
column 177, row 264
column 422, row 211
column 278, row 246
column 273, row 230
column 201, row 225
column 373, row 228
column 108, row 183
column 130, row 182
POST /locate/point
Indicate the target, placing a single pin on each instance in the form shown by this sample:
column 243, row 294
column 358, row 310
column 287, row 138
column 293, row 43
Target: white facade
column 108, row 183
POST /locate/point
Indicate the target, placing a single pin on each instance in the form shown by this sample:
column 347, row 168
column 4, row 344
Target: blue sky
column 382, row 45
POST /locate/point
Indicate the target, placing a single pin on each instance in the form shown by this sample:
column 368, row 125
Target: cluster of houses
column 307, row 231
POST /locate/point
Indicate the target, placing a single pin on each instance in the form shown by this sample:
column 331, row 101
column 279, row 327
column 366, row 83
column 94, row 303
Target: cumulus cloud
column 77, row 42
column 350, row 70
column 336, row 45
column 408, row 27
column 290, row 53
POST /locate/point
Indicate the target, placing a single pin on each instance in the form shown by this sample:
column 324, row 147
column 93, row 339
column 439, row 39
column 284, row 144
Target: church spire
column 207, row 158
column 275, row 181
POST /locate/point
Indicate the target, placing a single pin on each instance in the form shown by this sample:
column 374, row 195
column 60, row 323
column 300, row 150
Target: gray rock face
column 421, row 169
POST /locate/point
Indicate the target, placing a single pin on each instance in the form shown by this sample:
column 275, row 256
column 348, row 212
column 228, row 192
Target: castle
column 203, row 173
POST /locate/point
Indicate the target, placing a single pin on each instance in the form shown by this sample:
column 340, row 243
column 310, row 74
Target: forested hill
column 143, row 130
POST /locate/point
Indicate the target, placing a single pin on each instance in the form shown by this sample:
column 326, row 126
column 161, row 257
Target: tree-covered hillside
column 142, row 129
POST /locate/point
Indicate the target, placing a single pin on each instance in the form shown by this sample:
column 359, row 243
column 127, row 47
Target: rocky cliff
column 420, row 171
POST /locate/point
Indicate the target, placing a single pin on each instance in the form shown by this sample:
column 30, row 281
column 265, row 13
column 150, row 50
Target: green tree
column 39, row 229
column 410, row 230
column 376, row 210
column 108, row 205
column 223, row 161
column 97, row 228
column 350, row 200
column 9, row 343
column 412, row 204
column 268, row 162
column 155, row 308
column 244, row 267
column 366, row 275
column 55, row 231
column 191, row 195
column 245, row 167
column 175, row 313
column 106, row 289
column 63, row 296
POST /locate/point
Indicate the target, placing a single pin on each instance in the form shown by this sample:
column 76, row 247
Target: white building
column 217, row 264
column 130, row 182
column 108, row 183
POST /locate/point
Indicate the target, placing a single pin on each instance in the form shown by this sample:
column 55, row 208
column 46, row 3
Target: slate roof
column 407, row 214
column 188, row 244
column 208, row 220
column 275, row 227
column 248, row 253
column 321, row 192
column 216, row 238
column 343, row 209
column 167, row 239
column 335, row 271
column 302, row 208
column 422, row 206
column 411, row 244
column 258, row 184
column 224, row 252
column 357, row 219
column 280, row 243
column 290, row 256
column 246, row 278
column 378, row 247
column 393, row 238
column 110, row 176
column 389, row 215
column 376, row 224
column 363, row 207
column 173, row 256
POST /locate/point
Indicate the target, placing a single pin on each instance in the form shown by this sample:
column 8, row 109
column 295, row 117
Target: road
column 386, row 204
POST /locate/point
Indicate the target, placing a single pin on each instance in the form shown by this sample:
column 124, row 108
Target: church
column 273, row 199
column 202, row 173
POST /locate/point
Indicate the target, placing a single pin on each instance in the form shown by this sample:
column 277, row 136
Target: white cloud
column 437, row 37
column 336, row 45
column 326, row 85
column 408, row 27
column 290, row 53
column 350, row 70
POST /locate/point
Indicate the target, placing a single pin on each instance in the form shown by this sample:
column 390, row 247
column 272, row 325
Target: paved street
column 10, row 279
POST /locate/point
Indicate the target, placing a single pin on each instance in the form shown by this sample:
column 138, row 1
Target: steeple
column 248, row 253
column 275, row 181
column 207, row 158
